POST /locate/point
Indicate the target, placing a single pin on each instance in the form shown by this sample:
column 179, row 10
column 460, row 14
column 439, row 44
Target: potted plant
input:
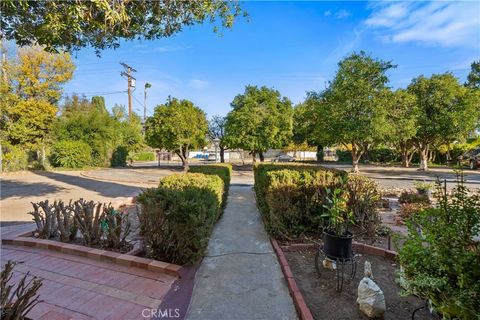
column 336, row 236
column 423, row 187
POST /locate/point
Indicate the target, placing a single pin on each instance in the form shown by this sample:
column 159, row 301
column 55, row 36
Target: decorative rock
column 371, row 299
column 329, row 264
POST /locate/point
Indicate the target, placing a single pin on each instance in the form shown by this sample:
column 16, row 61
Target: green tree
column 402, row 123
column 261, row 119
column 36, row 74
column 447, row 111
column 99, row 103
column 72, row 25
column 355, row 112
column 310, row 125
column 178, row 126
column 216, row 131
column 473, row 78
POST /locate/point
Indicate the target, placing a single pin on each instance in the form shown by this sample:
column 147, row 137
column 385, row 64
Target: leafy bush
column 177, row 218
column 71, row 154
column 382, row 155
column 291, row 197
column 224, row 171
column 14, row 158
column 363, row 200
column 344, row 156
column 119, row 157
column 413, row 197
column 441, row 256
column 409, row 209
column 17, row 300
column 142, row 156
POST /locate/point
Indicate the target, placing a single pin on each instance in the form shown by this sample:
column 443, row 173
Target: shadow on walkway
column 106, row 189
column 22, row 189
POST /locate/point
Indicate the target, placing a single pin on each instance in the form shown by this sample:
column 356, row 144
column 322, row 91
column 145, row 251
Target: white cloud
column 341, row 14
column 199, row 84
column 327, row 13
column 168, row 48
column 441, row 23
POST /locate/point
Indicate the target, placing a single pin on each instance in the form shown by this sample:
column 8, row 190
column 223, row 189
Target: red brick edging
column 300, row 305
column 129, row 259
column 302, row 308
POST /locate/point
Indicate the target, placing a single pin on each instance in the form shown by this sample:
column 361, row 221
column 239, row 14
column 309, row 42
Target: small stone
column 329, row 264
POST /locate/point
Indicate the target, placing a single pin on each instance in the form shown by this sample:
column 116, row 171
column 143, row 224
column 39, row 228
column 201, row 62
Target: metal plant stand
column 340, row 263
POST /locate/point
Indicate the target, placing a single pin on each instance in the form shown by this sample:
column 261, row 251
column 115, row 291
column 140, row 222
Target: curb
column 302, row 308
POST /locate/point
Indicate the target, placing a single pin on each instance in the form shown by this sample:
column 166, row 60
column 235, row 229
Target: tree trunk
column 423, row 158
column 356, row 154
column 319, row 153
column 43, row 155
column 254, row 158
column 260, row 155
column 222, row 154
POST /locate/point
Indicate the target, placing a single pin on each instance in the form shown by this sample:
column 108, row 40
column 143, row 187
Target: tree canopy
column 216, row 131
column 178, row 126
column 101, row 24
column 354, row 111
column 473, row 78
column 261, row 119
column 447, row 111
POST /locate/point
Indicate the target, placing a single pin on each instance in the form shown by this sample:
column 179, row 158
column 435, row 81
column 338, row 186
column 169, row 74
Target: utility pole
column 147, row 85
column 131, row 84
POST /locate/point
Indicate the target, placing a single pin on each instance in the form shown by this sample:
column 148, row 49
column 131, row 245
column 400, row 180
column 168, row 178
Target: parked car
column 283, row 158
column 471, row 158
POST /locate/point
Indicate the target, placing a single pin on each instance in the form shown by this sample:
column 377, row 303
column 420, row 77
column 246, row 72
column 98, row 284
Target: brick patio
column 81, row 288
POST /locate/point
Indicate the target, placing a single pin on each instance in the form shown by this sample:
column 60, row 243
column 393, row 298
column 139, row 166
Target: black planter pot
column 337, row 247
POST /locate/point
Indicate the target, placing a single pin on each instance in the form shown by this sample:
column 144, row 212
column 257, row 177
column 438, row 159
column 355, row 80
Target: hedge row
column 291, row 198
column 224, row 171
column 177, row 218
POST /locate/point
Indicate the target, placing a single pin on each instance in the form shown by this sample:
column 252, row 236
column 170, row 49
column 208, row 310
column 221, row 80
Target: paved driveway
column 18, row 190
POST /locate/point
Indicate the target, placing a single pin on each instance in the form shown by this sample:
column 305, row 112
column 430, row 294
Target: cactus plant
column 88, row 216
column 44, row 219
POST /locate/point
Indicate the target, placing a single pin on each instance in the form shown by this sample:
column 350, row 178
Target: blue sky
column 291, row 46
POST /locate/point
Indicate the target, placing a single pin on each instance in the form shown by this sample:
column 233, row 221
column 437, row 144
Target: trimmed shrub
column 119, row 157
column 413, row 197
column 14, row 158
column 224, row 171
column 291, row 197
column 71, row 154
column 142, row 156
column 177, row 218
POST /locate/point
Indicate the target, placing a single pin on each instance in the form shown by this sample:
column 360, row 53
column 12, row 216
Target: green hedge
column 71, row 154
column 119, row 157
column 178, row 217
column 224, row 171
column 291, row 198
column 143, row 156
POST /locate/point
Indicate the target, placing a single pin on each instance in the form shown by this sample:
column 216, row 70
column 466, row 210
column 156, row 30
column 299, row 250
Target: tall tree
column 178, row 126
column 36, row 74
column 310, row 125
column 70, row 25
column 355, row 113
column 261, row 119
column 473, row 78
column 216, row 131
column 402, row 123
column 447, row 111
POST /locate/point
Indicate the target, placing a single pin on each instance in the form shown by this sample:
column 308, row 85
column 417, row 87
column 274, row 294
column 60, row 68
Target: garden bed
column 324, row 302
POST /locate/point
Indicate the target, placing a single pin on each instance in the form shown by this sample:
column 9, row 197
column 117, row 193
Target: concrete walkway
column 240, row 277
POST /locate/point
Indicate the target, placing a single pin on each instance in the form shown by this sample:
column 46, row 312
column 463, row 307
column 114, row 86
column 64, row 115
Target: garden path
column 240, row 278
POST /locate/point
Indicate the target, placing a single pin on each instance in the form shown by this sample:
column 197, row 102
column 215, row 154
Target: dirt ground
column 327, row 304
